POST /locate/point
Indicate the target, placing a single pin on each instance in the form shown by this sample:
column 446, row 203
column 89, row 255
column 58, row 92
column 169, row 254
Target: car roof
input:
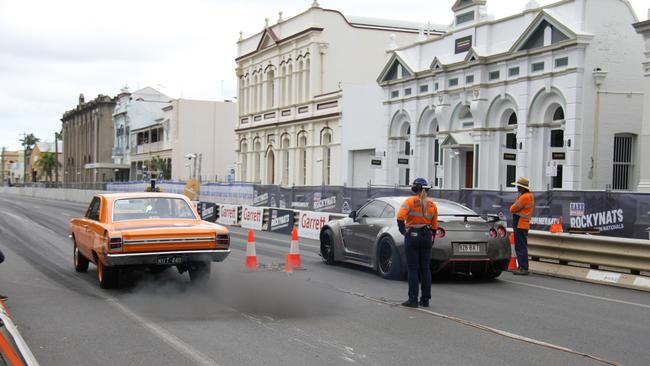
column 397, row 201
column 124, row 195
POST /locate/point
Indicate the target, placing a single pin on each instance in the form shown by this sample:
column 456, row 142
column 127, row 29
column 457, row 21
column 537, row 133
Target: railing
column 629, row 255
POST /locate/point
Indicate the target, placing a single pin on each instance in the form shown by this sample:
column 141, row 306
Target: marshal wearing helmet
column 417, row 220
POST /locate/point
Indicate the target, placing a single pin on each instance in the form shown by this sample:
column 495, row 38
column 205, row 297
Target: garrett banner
column 252, row 217
column 311, row 223
column 280, row 221
column 227, row 214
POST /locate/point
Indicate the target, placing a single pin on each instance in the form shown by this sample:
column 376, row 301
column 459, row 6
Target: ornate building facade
column 553, row 93
column 291, row 74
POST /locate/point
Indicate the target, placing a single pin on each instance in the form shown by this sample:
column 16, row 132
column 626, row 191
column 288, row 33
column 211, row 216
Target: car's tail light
column 223, row 240
column 502, row 231
column 115, row 244
column 440, row 233
column 493, row 233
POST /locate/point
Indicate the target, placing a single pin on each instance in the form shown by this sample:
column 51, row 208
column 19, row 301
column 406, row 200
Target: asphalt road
column 324, row 315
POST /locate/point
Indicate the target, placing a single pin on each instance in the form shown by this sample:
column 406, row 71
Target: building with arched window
column 553, row 93
column 293, row 90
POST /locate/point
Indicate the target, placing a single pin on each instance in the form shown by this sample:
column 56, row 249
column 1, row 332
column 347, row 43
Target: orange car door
column 86, row 228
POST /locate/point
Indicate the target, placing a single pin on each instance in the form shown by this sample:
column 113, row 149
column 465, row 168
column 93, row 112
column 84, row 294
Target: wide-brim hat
column 522, row 182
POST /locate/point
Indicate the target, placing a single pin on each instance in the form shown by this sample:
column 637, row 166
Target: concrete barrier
column 62, row 194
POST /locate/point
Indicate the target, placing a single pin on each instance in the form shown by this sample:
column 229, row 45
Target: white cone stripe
column 250, row 249
column 294, row 249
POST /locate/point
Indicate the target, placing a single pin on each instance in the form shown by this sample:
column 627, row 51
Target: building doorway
column 469, row 169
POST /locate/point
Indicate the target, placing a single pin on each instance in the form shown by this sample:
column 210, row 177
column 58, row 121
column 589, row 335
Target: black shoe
column 410, row 304
column 520, row 272
column 3, row 297
column 424, row 303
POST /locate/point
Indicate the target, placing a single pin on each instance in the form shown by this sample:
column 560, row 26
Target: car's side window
column 372, row 210
column 93, row 209
column 389, row 212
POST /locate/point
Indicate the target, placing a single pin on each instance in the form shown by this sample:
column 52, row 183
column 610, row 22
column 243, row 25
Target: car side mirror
column 353, row 215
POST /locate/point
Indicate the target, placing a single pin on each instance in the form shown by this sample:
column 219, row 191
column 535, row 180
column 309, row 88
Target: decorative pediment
column 472, row 56
column 395, row 69
column 268, row 39
column 536, row 34
column 436, row 65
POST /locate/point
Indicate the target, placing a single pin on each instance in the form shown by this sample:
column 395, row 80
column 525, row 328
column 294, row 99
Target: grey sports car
column 465, row 242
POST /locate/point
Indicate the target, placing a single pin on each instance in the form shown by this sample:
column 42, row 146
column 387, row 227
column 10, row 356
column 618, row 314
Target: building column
column 523, row 148
column 643, row 28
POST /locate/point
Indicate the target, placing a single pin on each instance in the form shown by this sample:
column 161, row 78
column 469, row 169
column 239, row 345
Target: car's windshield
column 151, row 208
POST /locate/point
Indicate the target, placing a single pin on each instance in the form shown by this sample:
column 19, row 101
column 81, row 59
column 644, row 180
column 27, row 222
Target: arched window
column 302, row 158
column 512, row 120
column 270, row 166
column 300, row 88
column 283, row 86
column 558, row 115
column 270, row 89
column 306, row 75
column 257, row 147
column 326, row 141
column 285, row 159
column 465, row 118
column 289, row 80
column 407, row 141
column 244, row 161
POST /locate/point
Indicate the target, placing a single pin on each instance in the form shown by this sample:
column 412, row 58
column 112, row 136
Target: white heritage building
column 297, row 79
column 553, row 93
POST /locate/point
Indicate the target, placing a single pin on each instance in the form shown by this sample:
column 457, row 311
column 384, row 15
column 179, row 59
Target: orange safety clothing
column 523, row 208
column 415, row 214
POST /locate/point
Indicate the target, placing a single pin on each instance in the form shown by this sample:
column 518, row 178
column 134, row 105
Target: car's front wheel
column 108, row 276
column 327, row 246
column 80, row 262
column 389, row 264
column 200, row 272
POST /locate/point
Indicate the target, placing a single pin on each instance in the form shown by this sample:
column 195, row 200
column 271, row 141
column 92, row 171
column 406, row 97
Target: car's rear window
column 151, row 208
column 448, row 210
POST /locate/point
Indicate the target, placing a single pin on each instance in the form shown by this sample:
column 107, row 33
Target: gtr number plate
column 469, row 248
column 169, row 260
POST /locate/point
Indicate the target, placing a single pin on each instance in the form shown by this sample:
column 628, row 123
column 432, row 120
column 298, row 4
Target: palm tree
column 46, row 163
column 28, row 141
column 158, row 164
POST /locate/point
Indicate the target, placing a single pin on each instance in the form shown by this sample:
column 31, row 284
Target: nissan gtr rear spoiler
column 490, row 218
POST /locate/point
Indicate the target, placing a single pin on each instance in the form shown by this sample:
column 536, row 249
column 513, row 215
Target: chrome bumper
column 121, row 259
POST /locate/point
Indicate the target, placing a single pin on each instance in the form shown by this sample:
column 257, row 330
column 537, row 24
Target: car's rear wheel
column 327, row 246
column 80, row 262
column 108, row 276
column 200, row 271
column 389, row 264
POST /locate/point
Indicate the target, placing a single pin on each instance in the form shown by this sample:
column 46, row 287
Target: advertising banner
column 252, row 217
column 207, row 211
column 280, row 221
column 227, row 214
column 311, row 223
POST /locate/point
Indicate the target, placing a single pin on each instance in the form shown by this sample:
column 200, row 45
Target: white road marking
column 580, row 294
column 182, row 347
column 603, row 276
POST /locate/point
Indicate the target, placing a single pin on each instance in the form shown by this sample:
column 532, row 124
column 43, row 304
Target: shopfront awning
column 460, row 140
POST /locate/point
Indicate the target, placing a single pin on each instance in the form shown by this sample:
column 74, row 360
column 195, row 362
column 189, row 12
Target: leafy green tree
column 158, row 164
column 28, row 141
column 46, row 163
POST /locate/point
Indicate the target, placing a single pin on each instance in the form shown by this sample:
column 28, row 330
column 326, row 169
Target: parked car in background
column 465, row 242
column 13, row 349
column 126, row 231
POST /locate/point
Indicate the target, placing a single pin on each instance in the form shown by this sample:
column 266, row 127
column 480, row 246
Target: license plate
column 469, row 248
column 169, row 260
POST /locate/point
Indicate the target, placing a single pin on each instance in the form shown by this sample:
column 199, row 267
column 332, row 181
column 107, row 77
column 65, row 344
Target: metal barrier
column 631, row 255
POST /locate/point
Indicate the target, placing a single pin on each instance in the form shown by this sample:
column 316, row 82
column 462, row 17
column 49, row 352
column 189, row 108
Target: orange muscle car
column 124, row 231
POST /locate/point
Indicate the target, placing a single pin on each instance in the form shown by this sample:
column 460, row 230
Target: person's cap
column 522, row 182
column 421, row 181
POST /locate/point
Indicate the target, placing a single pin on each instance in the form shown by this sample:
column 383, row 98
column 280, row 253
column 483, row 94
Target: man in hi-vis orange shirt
column 522, row 211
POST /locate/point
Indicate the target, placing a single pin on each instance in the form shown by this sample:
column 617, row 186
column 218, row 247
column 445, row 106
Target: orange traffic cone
column 512, row 266
column 292, row 260
column 557, row 228
column 251, row 256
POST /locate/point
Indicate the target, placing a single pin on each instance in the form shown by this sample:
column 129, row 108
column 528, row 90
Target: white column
column 315, row 70
column 643, row 28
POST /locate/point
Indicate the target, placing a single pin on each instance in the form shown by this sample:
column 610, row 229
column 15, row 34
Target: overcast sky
column 52, row 50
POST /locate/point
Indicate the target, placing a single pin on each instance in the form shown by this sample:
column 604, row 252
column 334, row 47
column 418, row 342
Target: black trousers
column 418, row 244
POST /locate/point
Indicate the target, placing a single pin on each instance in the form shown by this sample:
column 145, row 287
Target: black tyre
column 389, row 264
column 80, row 262
column 200, row 271
column 108, row 276
column 327, row 246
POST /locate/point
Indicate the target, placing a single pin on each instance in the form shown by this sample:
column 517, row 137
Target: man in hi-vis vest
column 522, row 211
